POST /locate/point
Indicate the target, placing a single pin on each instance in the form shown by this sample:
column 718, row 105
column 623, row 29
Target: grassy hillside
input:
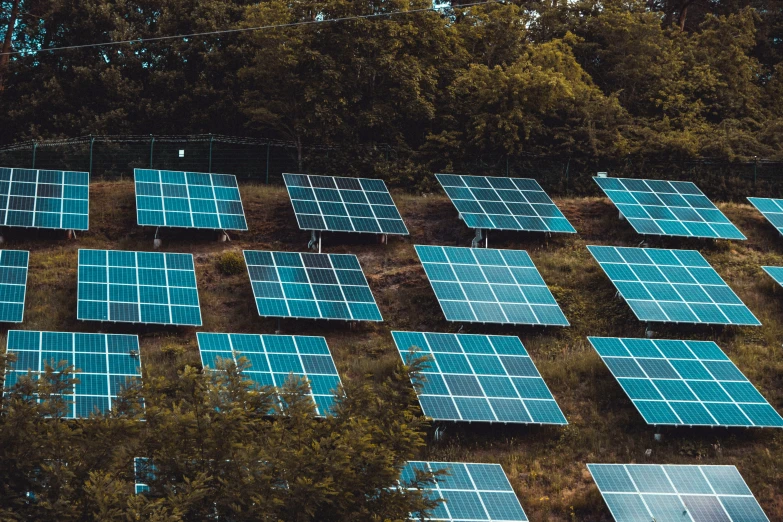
column 545, row 465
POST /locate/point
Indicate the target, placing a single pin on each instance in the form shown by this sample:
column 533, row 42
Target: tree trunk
column 299, row 152
column 683, row 16
column 5, row 58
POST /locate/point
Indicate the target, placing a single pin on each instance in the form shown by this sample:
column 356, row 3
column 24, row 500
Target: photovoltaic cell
column 166, row 198
column 104, row 363
column 684, row 383
column 44, row 199
column 672, row 286
column 647, row 492
column 478, row 378
column 504, row 203
column 668, row 208
column 13, row 284
column 469, row 492
column 484, row 285
column 343, row 204
column 137, row 287
column 772, row 209
column 274, row 359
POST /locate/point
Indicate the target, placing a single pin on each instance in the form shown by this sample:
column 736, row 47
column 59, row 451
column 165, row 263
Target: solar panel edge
column 26, row 276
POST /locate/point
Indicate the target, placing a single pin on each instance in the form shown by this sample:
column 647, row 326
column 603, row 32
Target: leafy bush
column 230, row 263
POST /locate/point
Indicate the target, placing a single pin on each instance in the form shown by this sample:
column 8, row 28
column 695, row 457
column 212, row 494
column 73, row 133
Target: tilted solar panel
column 653, row 492
column 775, row 272
column 13, row 284
column 478, row 378
column 672, row 286
column 772, row 209
column 144, row 473
column 668, row 208
column 487, row 202
column 44, row 199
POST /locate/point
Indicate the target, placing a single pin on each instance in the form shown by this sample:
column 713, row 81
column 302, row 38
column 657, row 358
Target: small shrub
column 230, row 263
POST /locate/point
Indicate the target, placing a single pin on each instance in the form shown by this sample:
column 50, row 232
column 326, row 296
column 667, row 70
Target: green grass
column 546, row 465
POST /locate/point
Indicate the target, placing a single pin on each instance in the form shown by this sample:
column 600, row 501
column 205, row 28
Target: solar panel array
column 487, row 202
column 105, row 364
column 470, row 492
column 166, row 198
column 137, row 287
column 489, row 286
column 312, row 286
column 13, row 284
column 274, row 359
column 668, row 208
column 772, row 209
column 343, row 204
column 672, row 286
column 647, row 492
column 44, row 199
column 691, row 383
column 478, row 378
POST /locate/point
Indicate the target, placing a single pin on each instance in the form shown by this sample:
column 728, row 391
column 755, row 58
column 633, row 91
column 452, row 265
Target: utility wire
column 242, row 29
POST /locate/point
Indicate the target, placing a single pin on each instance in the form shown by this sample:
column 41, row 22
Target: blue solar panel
column 137, row 287
column 489, row 286
column 772, row 209
column 44, row 199
column 478, row 378
column 652, row 492
column 504, row 203
column 104, row 364
column 274, row 359
column 690, row 383
column 775, row 272
column 312, row 286
column 343, row 204
column 166, row 198
column 469, row 492
column 672, row 286
column 144, row 473
column 668, row 208
column 13, row 284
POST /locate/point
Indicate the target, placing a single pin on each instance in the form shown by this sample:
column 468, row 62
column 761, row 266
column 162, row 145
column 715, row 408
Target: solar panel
column 489, row 286
column 343, row 204
column 652, row 492
column 668, row 208
column 672, row 286
column 144, row 473
column 487, row 202
column 44, row 199
column 13, row 284
column 105, row 363
column 470, row 492
column 478, row 378
column 684, row 383
column 137, row 287
column 311, row 286
column 166, row 198
column 772, row 209
column 775, row 272
column 274, row 359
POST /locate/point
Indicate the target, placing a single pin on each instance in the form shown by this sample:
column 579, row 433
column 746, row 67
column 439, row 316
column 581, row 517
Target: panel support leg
column 70, row 234
column 315, row 240
column 279, row 327
column 223, row 236
column 384, row 239
column 156, row 242
column 476, row 243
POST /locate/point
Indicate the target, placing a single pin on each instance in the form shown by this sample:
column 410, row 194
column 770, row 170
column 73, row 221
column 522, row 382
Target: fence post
column 92, row 142
column 268, row 145
column 568, row 165
column 506, row 165
column 152, row 148
column 35, row 147
column 211, row 139
column 755, row 166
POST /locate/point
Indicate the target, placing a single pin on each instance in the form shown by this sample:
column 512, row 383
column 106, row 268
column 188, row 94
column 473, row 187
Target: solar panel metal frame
column 341, row 204
column 35, row 349
column 13, row 280
column 668, row 208
column 134, row 288
column 296, row 285
column 771, row 209
column 676, row 275
column 498, row 379
column 477, row 491
column 496, row 203
column 162, row 197
column 685, row 383
column 38, row 198
column 303, row 357
column 511, row 286
column 691, row 493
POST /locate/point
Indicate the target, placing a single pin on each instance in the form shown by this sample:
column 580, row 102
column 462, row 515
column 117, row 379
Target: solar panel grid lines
column 775, row 272
column 495, row 203
column 470, row 492
column 672, row 286
column 13, row 284
column 685, row 383
column 489, row 286
column 33, row 198
column 478, row 378
column 310, row 286
column 332, row 203
column 166, row 198
column 770, row 208
column 647, row 492
column 274, row 359
column 668, row 208
column 137, row 287
column 105, row 363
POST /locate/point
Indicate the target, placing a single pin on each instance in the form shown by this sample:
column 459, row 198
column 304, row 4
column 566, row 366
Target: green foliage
column 230, row 263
